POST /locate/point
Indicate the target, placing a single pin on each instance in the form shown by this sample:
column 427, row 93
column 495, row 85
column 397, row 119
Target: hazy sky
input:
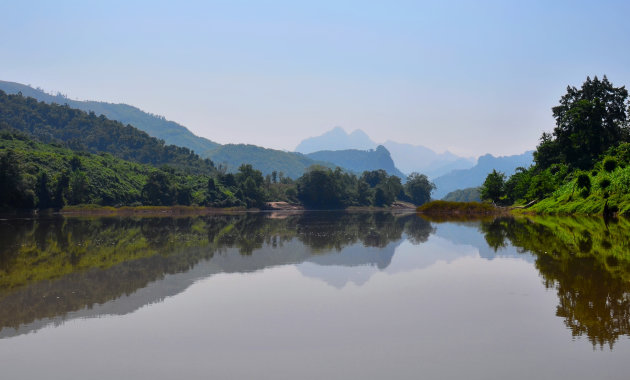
column 472, row 77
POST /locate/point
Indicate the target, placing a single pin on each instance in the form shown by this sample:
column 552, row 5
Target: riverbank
column 200, row 210
column 461, row 208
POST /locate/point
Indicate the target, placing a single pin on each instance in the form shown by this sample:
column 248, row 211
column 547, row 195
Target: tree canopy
column 589, row 120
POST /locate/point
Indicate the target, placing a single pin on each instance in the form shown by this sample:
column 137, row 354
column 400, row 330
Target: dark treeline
column 589, row 142
column 322, row 188
column 38, row 175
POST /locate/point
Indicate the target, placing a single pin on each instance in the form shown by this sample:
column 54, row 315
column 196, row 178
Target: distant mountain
column 359, row 161
column 336, row 139
column 408, row 158
column 266, row 160
column 417, row 158
column 474, row 177
column 156, row 126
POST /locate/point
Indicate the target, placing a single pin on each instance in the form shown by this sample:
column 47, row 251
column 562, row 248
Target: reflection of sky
column 357, row 264
column 438, row 311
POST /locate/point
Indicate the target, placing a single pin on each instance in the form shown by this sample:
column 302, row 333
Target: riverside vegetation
column 584, row 165
column 52, row 156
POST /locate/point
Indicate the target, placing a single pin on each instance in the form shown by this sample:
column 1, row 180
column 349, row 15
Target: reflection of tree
column 87, row 261
column 586, row 261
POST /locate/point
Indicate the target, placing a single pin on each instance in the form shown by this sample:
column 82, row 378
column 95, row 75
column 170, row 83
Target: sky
column 471, row 77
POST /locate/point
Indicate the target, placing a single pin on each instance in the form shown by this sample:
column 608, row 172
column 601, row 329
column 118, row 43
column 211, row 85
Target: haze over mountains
column 355, row 152
column 407, row 157
column 231, row 156
column 448, row 171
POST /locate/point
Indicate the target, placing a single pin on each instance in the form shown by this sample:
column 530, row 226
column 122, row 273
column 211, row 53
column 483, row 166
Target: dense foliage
column 589, row 121
column 581, row 167
column 34, row 174
column 39, row 175
column 324, row 188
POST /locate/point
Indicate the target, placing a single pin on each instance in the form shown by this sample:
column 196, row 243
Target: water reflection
column 52, row 267
column 56, row 269
column 586, row 260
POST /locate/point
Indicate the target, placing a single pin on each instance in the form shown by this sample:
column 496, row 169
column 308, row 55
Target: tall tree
column 589, row 120
column 419, row 188
column 493, row 187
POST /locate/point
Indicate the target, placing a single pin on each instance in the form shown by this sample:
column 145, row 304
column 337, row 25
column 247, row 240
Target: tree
column 374, row 177
column 250, row 183
column 14, row 192
column 589, row 120
column 493, row 187
column 61, row 190
column 78, row 187
column 517, row 185
column 159, row 190
column 419, row 188
column 364, row 193
column 320, row 188
column 44, row 199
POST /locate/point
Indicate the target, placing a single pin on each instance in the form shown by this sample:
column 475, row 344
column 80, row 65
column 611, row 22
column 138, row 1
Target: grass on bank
column 458, row 208
column 612, row 186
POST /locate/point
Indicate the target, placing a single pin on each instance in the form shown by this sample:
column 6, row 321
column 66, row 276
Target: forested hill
column 82, row 131
column 291, row 165
column 156, row 126
column 359, row 161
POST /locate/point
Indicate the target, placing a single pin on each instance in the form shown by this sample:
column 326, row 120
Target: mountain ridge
column 475, row 176
column 359, row 161
column 407, row 158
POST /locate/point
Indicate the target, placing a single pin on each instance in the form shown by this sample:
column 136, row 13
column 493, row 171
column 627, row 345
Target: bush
column 610, row 164
column 584, row 182
column 604, row 183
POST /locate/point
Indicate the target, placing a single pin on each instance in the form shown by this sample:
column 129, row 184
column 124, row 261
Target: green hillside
column 35, row 174
column 232, row 156
column 82, row 131
column 154, row 125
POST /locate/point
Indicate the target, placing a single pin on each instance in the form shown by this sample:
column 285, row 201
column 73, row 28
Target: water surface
column 314, row 295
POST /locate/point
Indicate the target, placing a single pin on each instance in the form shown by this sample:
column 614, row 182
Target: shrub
column 584, row 182
column 610, row 164
column 604, row 183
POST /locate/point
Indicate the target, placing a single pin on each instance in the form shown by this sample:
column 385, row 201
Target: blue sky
column 469, row 76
